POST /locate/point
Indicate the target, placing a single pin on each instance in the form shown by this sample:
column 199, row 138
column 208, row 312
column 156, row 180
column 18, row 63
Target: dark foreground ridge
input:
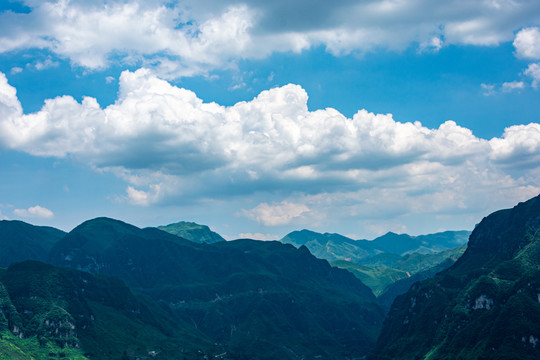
column 486, row 306
column 243, row 299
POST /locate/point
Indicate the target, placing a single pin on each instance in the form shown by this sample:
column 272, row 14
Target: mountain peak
column 500, row 235
column 192, row 231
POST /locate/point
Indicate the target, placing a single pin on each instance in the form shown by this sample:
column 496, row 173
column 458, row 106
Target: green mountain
column 338, row 247
column 255, row 299
column 417, row 262
column 401, row 286
column 21, row 241
column 48, row 312
column 390, row 275
column 378, row 278
column 485, row 306
column 387, row 259
column 330, row 246
column 193, row 232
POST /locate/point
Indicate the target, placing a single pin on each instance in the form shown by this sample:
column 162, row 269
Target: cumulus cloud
column 170, row 147
column 527, row 43
column 533, row 70
column 34, row 212
column 519, row 146
column 140, row 197
column 192, row 37
column 276, row 214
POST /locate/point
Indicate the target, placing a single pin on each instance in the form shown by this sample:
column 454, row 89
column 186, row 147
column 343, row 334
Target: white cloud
column 276, row 214
column 258, row 236
column 519, row 146
column 533, row 70
column 193, row 37
column 489, row 89
column 16, row 70
column 506, row 87
column 171, row 147
column 34, row 212
column 512, row 85
column 527, row 43
column 45, row 64
column 144, row 198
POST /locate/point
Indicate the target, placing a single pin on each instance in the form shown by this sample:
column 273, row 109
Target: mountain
column 387, row 296
column 21, row 241
column 338, row 247
column 49, row 312
column 330, row 246
column 378, row 278
column 193, row 232
column 390, row 275
column 389, row 258
column 425, row 244
column 485, row 306
column 257, row 299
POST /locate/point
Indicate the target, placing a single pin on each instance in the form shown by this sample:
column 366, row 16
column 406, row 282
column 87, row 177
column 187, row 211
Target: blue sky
column 257, row 118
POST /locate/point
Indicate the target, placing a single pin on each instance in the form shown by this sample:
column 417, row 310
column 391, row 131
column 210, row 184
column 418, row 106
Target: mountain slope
column 256, row 298
column 21, row 241
column 486, row 306
column 330, row 246
column 50, row 312
column 378, row 278
column 338, row 247
column 194, row 232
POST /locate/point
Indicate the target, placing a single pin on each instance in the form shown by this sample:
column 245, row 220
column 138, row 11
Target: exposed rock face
column 59, row 326
column 486, row 306
column 483, row 302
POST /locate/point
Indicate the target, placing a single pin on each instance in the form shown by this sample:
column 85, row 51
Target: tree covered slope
column 257, row 299
column 192, row 231
column 486, row 306
column 21, row 241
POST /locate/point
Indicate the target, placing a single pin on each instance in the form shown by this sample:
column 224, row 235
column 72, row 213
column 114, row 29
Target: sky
column 259, row 118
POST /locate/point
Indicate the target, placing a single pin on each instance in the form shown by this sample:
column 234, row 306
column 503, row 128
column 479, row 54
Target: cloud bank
column 183, row 38
column 171, row 147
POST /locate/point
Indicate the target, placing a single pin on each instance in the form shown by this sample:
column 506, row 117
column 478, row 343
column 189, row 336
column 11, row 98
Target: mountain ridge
column 485, row 306
column 261, row 289
column 193, row 232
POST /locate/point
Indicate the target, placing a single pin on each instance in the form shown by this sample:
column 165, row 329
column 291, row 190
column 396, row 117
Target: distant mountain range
column 485, row 306
column 338, row 247
column 388, row 259
column 111, row 290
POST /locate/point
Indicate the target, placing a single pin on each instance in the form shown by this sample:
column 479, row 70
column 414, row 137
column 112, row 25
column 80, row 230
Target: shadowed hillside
column 486, row 306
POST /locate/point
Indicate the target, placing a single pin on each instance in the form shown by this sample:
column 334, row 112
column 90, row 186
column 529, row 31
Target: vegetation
column 21, row 241
column 234, row 293
column 486, row 306
column 194, row 232
column 386, row 260
column 172, row 298
column 378, row 278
